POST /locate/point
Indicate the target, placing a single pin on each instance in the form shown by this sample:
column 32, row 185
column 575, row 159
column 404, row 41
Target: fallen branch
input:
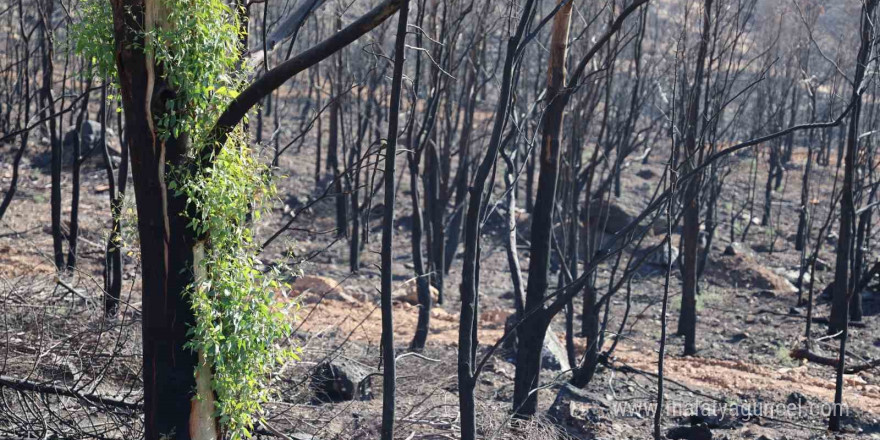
column 70, row 288
column 855, row 324
column 831, row 362
column 48, row 388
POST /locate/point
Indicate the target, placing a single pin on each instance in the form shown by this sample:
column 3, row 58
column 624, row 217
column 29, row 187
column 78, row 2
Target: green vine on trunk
column 240, row 321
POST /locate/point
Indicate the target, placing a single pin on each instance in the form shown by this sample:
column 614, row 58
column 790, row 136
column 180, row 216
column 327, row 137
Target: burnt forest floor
column 748, row 322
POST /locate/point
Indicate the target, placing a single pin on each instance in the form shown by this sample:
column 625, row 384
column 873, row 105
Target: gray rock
column 660, row 255
column 553, row 356
column 792, row 275
column 90, row 143
column 577, row 411
column 612, row 217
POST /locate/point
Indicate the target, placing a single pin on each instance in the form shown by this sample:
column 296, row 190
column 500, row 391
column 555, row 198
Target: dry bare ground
column 54, row 335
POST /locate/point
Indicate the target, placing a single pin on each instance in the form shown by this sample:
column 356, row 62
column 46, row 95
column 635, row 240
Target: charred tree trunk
column 78, row 159
column 800, row 242
column 687, row 324
column 462, row 177
column 23, row 121
column 113, row 255
column 422, row 283
column 434, row 207
column 389, row 377
column 534, row 325
column 468, row 318
column 48, row 106
column 845, row 248
column 844, row 284
column 167, row 244
column 333, row 153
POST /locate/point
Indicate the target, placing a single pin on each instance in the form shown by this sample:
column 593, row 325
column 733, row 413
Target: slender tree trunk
column 422, row 283
column 48, row 106
column 855, row 303
column 844, row 284
column 434, row 208
column 78, row 159
column 842, row 288
column 468, row 318
column 113, row 265
column 461, row 178
column 513, row 264
column 389, row 378
column 23, row 121
column 530, row 180
column 800, row 241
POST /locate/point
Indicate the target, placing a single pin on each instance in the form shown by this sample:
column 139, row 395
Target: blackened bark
column 513, row 264
column 113, row 253
column 422, row 283
column 23, row 121
column 862, row 230
column 48, row 106
column 434, row 207
column 843, row 282
column 73, row 235
column 534, row 325
column 333, row 144
column 166, row 241
column 278, row 75
column 461, row 177
column 467, row 333
column 530, row 180
column 800, row 241
column 691, row 227
column 389, row 379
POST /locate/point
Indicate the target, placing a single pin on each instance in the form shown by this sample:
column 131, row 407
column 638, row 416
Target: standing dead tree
column 845, row 275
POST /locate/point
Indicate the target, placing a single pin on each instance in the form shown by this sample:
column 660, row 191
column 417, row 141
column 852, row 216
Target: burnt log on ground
column 341, row 380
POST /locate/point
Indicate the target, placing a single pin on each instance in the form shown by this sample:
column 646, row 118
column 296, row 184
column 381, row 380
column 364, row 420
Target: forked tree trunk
column 469, row 288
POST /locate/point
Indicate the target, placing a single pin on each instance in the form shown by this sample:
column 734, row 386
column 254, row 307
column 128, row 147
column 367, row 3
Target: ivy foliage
column 239, row 320
column 198, row 48
column 91, row 37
